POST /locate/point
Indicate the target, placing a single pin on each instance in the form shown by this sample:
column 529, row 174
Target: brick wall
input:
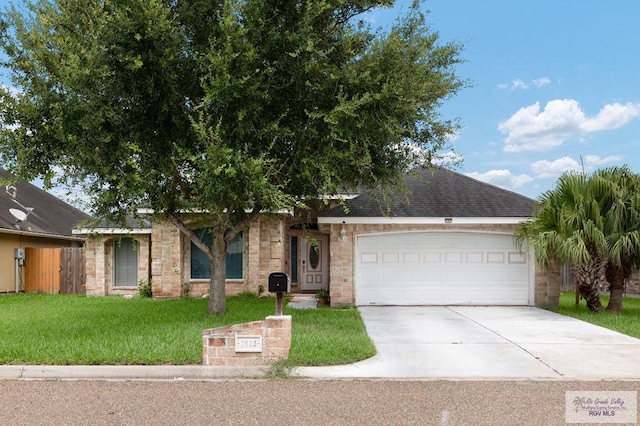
column 219, row 344
column 633, row 284
column 342, row 266
column 167, row 269
column 99, row 264
column 93, row 272
column 547, row 285
column 271, row 250
column 264, row 252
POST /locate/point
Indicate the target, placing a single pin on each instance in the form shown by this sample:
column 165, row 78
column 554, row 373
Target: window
column 125, row 260
column 200, row 265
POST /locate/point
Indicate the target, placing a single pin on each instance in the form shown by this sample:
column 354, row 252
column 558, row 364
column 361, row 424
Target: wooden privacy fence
column 54, row 270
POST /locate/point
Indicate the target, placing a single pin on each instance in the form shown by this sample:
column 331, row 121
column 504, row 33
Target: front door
column 315, row 263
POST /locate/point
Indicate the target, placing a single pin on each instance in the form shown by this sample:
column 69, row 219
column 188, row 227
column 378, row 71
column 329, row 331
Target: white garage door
column 436, row 268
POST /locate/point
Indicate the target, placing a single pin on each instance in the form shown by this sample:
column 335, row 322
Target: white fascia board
column 41, row 235
column 111, row 231
column 338, row 197
column 202, row 211
column 421, row 220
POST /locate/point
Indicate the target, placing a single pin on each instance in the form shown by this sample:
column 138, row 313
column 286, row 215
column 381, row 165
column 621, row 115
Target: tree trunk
column 217, row 295
column 587, row 279
column 615, row 276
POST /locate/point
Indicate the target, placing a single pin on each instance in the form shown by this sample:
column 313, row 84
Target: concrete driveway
column 487, row 343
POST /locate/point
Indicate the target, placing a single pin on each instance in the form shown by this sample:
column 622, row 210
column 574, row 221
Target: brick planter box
column 250, row 343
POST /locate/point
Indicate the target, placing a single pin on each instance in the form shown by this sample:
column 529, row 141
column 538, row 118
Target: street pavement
column 291, row 402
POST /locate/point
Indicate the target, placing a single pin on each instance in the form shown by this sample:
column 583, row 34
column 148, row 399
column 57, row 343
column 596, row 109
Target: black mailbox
column 279, row 283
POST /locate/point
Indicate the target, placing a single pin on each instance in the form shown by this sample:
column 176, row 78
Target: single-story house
column 448, row 240
column 31, row 218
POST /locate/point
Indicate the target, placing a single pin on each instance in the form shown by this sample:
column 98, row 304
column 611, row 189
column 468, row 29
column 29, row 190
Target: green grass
column 328, row 337
column 627, row 323
column 77, row 330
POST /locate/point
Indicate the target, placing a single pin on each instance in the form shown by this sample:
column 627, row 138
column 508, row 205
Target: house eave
column 41, row 235
column 149, row 211
column 112, row 231
column 342, row 197
column 422, row 220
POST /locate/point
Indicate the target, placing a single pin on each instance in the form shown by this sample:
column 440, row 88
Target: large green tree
column 591, row 222
column 230, row 107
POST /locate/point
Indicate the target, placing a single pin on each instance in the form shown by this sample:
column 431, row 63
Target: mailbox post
column 279, row 283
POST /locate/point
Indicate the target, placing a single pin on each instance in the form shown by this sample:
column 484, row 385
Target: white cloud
column 541, row 82
column 71, row 193
column 449, row 158
column 544, row 169
column 596, row 160
column 612, row 117
column 554, row 169
column 530, row 129
column 455, row 135
column 12, row 90
column 502, row 178
column 520, row 84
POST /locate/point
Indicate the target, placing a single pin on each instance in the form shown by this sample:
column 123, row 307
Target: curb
column 129, row 372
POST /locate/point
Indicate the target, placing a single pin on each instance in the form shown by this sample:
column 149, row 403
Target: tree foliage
column 231, row 107
column 591, row 222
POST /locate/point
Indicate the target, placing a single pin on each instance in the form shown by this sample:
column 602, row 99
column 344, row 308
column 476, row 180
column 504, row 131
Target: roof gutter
column 421, row 220
column 41, row 235
column 150, row 211
column 111, row 231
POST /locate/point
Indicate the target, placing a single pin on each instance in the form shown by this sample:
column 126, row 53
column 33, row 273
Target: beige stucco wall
column 342, row 267
column 9, row 242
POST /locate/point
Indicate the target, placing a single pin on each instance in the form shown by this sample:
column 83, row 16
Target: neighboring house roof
column 46, row 214
column 436, row 193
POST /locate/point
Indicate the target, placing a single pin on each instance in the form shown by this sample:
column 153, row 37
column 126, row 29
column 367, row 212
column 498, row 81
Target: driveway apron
column 470, row 342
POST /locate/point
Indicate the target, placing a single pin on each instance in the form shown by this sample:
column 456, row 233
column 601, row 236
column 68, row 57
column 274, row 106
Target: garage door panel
column 441, row 268
column 515, row 258
column 409, row 258
column 433, row 257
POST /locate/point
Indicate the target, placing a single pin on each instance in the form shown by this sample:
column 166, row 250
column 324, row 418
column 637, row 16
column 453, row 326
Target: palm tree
column 620, row 194
column 593, row 223
column 566, row 227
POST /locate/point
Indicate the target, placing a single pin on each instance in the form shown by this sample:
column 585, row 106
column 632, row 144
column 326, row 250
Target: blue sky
column 555, row 86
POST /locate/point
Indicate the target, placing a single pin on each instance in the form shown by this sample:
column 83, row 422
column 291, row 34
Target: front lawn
column 627, row 323
column 78, row 330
